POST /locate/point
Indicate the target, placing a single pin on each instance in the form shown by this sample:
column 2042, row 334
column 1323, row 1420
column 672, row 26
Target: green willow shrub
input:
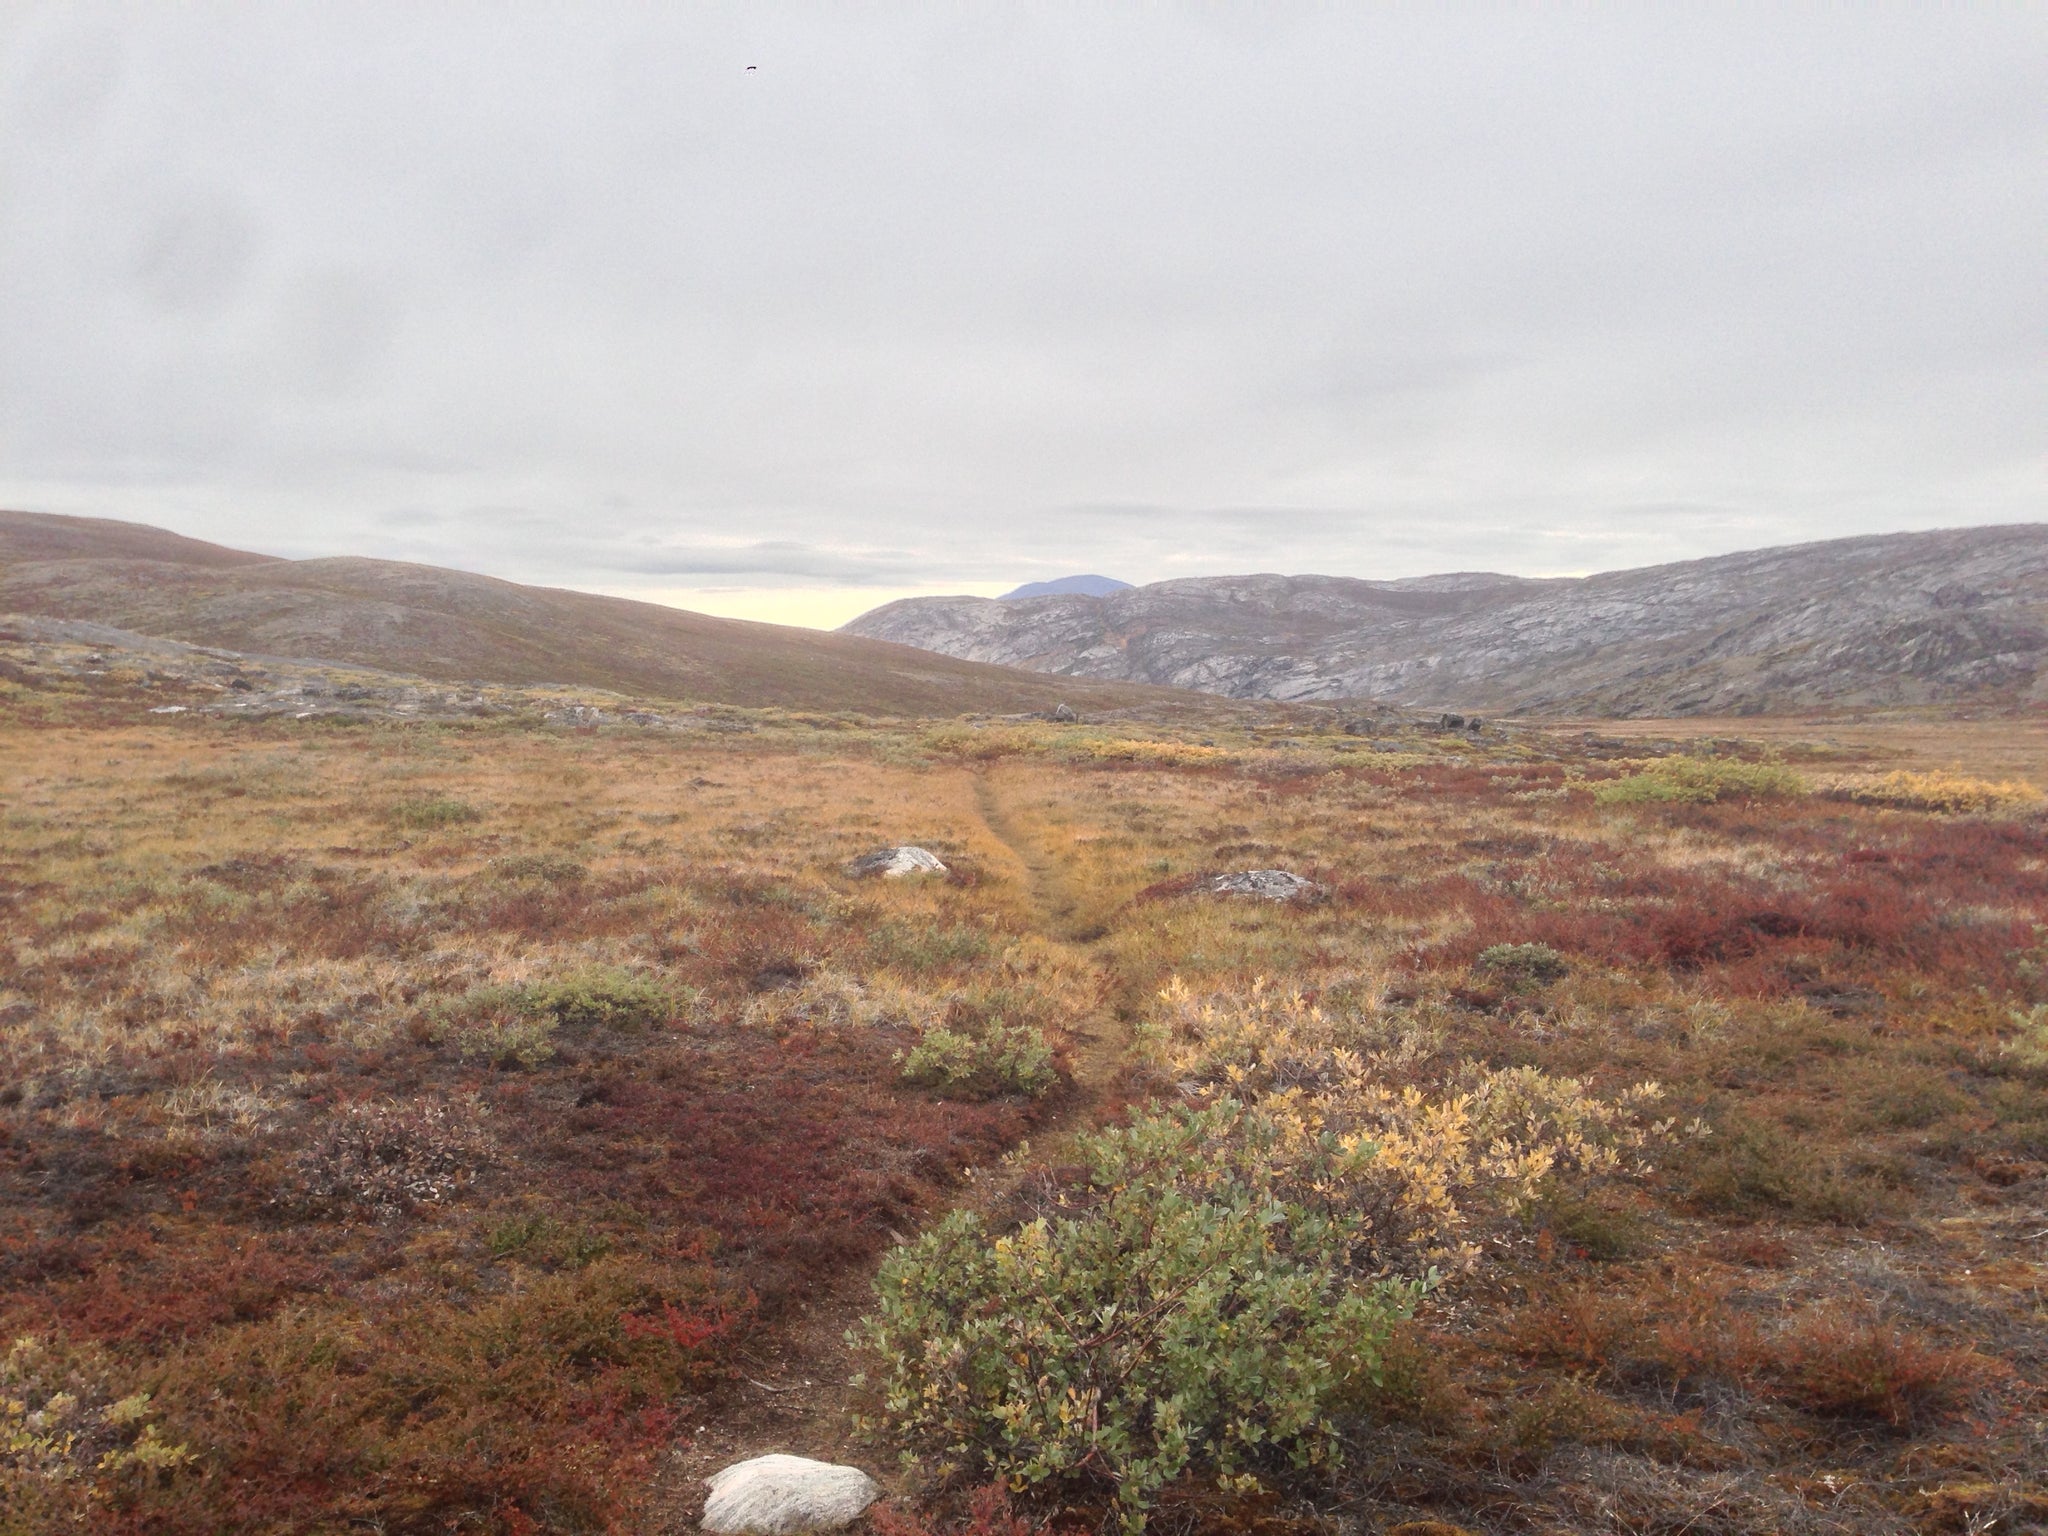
column 608, row 997
column 1194, row 1309
column 1533, row 963
column 980, row 1061
column 1701, row 781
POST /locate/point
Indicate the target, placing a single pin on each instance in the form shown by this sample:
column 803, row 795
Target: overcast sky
column 950, row 298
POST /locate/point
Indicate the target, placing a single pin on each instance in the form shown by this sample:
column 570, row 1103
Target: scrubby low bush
column 63, row 1426
column 608, row 997
column 1536, row 963
column 990, row 1039
column 1954, row 793
column 1192, row 1309
column 1150, row 754
column 513, row 1025
column 982, row 1060
column 1229, row 1269
column 1437, row 1144
column 1701, row 781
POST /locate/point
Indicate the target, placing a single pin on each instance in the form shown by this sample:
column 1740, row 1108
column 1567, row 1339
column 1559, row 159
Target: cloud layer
column 951, row 296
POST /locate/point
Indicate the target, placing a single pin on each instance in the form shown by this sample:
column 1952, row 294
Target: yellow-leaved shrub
column 1433, row 1142
column 1943, row 791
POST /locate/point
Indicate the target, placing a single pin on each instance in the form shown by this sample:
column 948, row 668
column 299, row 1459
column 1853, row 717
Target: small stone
column 891, row 863
column 1266, row 884
column 786, row 1495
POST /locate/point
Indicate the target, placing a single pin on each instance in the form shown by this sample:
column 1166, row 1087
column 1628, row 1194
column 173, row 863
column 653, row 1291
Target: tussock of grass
column 425, row 815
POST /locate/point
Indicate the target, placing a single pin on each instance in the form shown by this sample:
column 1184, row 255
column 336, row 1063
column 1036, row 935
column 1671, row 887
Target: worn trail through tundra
column 1074, row 918
column 795, row 1397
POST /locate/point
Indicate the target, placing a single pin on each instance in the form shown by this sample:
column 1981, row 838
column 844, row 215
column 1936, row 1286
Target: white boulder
column 894, row 862
column 785, row 1496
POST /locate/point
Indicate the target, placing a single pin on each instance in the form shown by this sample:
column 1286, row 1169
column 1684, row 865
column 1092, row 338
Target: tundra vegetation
column 421, row 1127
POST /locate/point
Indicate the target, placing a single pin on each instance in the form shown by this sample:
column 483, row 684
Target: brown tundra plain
column 492, row 1126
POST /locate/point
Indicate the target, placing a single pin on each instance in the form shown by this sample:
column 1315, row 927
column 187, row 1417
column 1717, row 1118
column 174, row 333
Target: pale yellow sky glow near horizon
column 804, row 607
column 822, row 607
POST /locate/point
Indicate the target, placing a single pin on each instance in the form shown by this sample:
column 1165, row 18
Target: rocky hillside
column 1919, row 618
column 437, row 624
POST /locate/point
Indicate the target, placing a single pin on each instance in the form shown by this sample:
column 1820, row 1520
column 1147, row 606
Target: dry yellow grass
column 2010, row 747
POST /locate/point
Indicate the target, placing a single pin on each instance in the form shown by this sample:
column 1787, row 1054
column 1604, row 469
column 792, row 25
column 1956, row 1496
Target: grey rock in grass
column 786, row 1495
column 894, row 862
column 1266, row 884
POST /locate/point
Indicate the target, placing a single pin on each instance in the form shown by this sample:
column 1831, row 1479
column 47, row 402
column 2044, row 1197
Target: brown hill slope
column 451, row 625
column 1953, row 616
column 37, row 536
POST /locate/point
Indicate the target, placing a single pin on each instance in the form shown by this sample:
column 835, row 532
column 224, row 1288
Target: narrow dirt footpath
column 1061, row 912
column 793, row 1396
column 1074, row 919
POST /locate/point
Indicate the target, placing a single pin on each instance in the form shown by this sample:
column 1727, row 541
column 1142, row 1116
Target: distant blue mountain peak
column 1069, row 586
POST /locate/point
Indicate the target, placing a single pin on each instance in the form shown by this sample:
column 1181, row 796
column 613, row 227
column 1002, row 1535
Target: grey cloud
column 192, row 252
column 960, row 296
column 532, row 544
column 335, row 325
